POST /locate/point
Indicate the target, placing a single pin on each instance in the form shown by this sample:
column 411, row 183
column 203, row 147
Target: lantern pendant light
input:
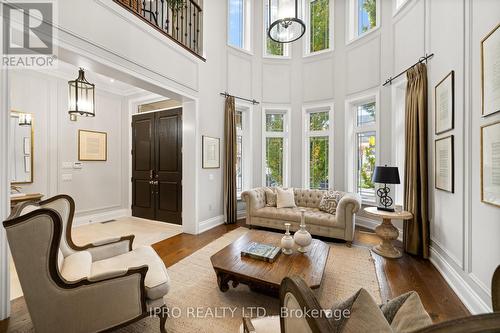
column 285, row 24
column 81, row 96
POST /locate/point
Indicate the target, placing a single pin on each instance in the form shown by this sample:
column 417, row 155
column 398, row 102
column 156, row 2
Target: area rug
column 146, row 232
column 197, row 305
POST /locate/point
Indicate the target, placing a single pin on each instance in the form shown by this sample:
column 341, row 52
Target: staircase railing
column 181, row 21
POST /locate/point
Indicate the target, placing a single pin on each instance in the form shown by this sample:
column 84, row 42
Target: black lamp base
column 386, row 209
column 385, row 201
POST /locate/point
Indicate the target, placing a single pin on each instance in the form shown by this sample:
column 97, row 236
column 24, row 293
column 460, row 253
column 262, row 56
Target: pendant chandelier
column 81, row 97
column 285, row 24
column 25, row 119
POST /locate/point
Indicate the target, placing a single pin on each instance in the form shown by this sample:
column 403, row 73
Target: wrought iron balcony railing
column 182, row 23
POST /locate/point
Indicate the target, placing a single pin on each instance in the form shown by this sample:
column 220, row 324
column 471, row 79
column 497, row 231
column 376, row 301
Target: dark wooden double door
column 157, row 166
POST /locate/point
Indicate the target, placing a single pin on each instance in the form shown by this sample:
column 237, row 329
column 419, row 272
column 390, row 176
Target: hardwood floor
column 396, row 276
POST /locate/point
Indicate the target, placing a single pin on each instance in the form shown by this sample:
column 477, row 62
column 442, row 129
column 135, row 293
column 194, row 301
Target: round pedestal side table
column 387, row 231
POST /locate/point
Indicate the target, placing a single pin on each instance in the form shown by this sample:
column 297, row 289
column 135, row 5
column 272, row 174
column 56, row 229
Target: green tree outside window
column 366, row 144
column 319, row 25
column 370, row 7
column 274, row 48
column 274, row 161
column 318, row 162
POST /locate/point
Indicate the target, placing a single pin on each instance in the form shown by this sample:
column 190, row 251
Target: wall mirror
column 21, row 147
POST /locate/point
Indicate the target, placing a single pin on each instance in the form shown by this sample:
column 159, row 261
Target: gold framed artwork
column 490, row 75
column 444, row 164
column 444, row 104
column 211, row 152
column 92, row 146
column 490, row 164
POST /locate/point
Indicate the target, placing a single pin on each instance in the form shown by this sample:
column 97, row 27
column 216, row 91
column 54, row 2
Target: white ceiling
column 70, row 72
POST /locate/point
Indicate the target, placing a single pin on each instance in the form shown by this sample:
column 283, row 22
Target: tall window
column 239, row 18
column 367, row 15
column 272, row 48
column 318, row 147
column 243, row 149
column 365, row 146
column 363, row 17
column 275, row 147
column 320, row 31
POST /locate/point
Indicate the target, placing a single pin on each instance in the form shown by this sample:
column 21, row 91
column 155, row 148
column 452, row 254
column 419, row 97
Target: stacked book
column 264, row 252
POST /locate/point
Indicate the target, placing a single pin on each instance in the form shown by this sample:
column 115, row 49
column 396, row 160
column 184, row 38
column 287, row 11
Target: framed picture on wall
column 211, row 152
column 92, row 146
column 444, row 104
column 444, row 164
column 490, row 164
column 490, row 75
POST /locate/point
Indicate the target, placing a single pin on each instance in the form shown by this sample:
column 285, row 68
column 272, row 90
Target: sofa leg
column 348, row 244
column 163, row 315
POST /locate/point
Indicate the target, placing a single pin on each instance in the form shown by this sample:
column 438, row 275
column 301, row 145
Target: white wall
column 463, row 229
column 99, row 186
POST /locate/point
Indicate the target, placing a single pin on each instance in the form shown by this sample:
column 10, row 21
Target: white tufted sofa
column 339, row 225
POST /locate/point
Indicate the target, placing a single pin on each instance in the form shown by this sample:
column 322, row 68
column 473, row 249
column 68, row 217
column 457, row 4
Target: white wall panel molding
column 4, row 194
column 465, row 288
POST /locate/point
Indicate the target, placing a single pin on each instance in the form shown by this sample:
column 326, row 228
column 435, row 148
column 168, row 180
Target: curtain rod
column 253, row 101
column 424, row 58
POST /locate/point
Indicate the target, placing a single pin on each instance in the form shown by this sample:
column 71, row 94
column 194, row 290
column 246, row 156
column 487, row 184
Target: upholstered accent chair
column 295, row 295
column 339, row 225
column 91, row 288
column 403, row 314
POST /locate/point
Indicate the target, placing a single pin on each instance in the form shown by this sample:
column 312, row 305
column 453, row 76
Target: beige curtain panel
column 230, row 201
column 416, row 231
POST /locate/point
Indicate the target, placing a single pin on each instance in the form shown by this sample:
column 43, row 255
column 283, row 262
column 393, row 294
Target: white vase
column 302, row 237
column 287, row 241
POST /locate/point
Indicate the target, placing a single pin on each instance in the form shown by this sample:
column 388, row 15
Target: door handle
column 153, row 182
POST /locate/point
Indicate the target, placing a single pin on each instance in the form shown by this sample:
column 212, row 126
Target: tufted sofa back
column 308, row 198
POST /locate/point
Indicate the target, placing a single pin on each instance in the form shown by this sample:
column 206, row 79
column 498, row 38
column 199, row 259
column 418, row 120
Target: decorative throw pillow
column 359, row 313
column 330, row 201
column 270, row 197
column 285, row 198
column 406, row 313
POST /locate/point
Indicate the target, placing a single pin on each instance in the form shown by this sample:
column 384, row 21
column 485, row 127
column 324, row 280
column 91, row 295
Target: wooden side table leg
column 388, row 233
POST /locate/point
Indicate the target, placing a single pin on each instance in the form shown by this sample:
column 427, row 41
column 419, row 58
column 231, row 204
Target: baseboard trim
column 456, row 280
column 372, row 224
column 241, row 214
column 100, row 217
column 210, row 223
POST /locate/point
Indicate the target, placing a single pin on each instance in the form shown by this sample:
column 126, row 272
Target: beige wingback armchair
column 339, row 225
column 91, row 288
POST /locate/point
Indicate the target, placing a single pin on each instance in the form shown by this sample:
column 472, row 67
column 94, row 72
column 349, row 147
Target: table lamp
column 385, row 175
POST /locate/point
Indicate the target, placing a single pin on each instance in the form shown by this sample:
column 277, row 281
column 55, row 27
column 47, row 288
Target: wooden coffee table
column 266, row 277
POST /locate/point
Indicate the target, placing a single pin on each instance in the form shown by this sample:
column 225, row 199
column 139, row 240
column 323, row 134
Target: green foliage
column 320, row 25
column 319, row 121
column 318, row 148
column 274, row 122
column 368, row 165
column 274, row 158
column 274, row 48
column 175, row 5
column 370, row 6
column 318, row 163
